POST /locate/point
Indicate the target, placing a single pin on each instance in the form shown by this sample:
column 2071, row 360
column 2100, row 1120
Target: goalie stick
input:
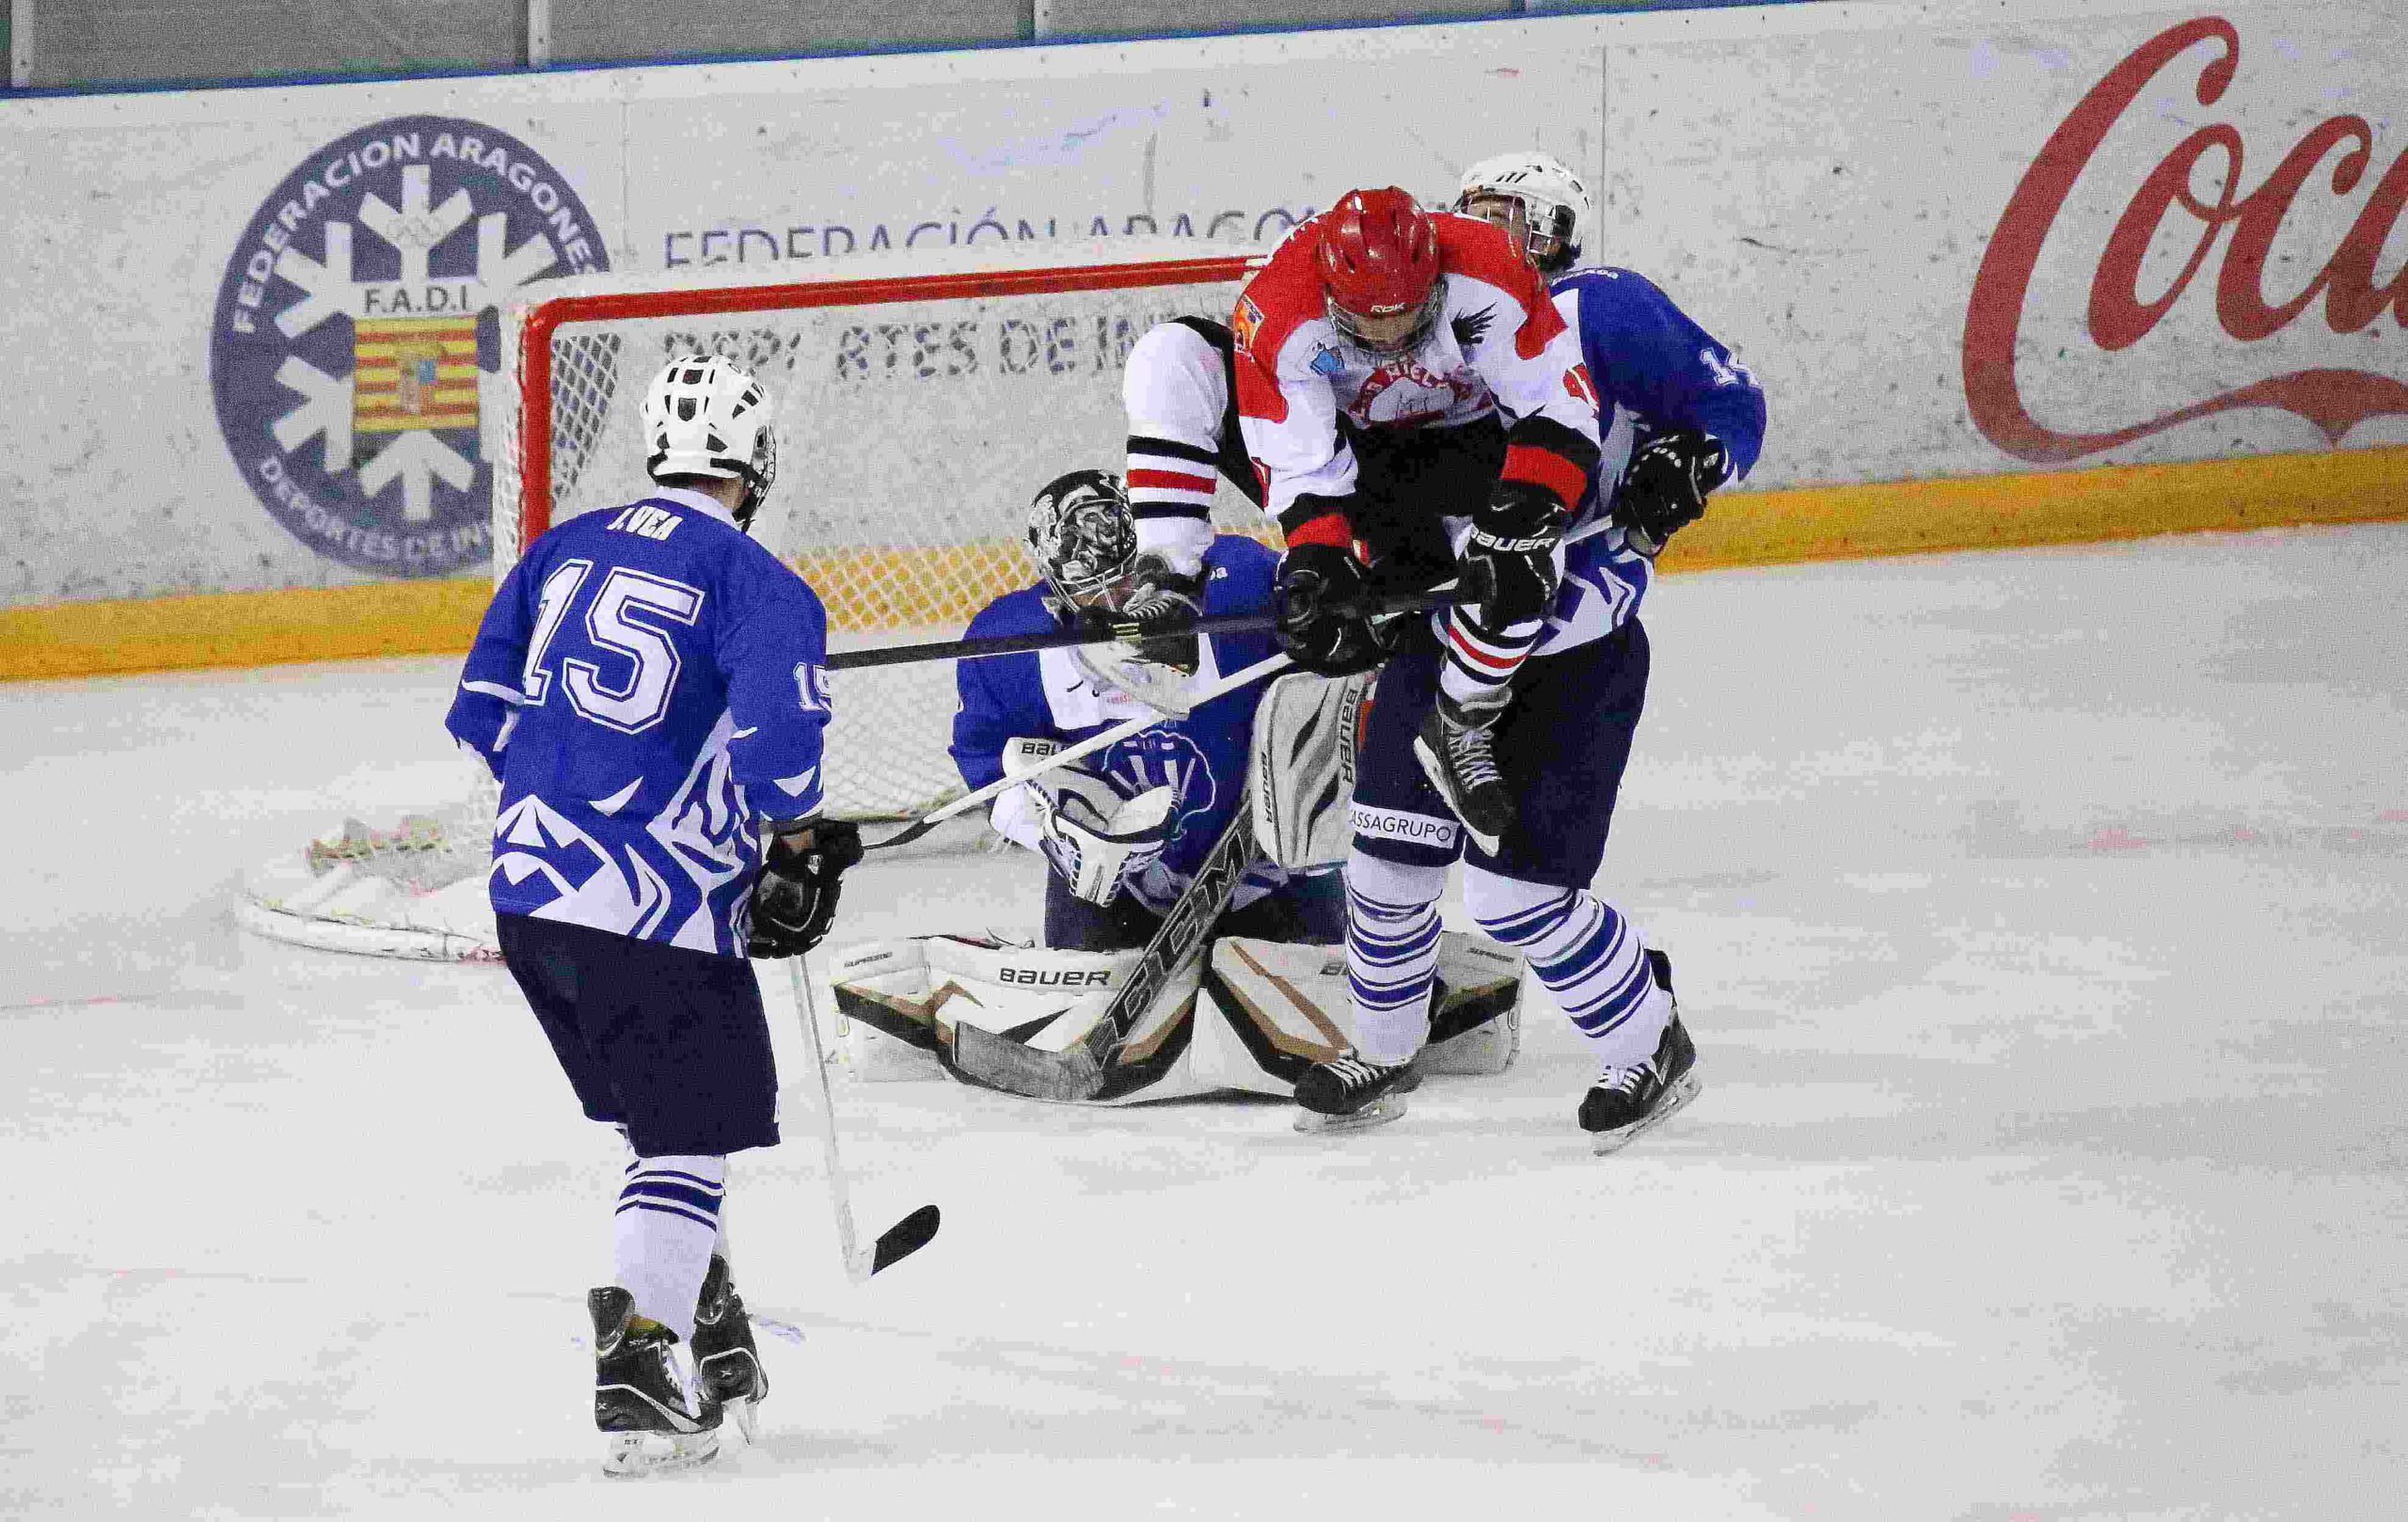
column 906, row 1236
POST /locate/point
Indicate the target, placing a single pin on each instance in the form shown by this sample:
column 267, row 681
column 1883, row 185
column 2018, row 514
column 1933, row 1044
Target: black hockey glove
column 1508, row 567
column 1319, row 598
column 794, row 899
column 1167, row 600
column 1664, row 488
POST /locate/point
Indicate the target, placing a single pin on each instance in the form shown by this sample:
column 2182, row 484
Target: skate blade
column 746, row 1413
column 1605, row 1142
column 1379, row 1112
column 634, row 1455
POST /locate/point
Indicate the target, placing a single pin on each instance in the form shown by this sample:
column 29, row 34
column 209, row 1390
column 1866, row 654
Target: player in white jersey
column 648, row 688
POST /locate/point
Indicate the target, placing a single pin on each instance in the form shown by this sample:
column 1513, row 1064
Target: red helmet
column 1379, row 270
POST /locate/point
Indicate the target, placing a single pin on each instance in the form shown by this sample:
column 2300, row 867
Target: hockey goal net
column 922, row 399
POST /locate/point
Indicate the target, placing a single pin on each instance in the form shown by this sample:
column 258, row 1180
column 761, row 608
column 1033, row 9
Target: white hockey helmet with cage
column 704, row 416
column 1083, row 534
column 1556, row 211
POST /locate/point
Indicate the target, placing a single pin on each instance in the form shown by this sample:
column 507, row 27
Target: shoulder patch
column 1246, row 321
column 1327, row 364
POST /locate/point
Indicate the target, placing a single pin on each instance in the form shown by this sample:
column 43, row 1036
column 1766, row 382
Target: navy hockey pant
column 1561, row 747
column 671, row 1043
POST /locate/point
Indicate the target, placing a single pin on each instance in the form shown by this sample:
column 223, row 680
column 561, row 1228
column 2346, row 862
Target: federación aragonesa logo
column 354, row 349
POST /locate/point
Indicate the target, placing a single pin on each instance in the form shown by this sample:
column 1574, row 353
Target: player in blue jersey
column 1125, row 834
column 1678, row 415
column 649, row 689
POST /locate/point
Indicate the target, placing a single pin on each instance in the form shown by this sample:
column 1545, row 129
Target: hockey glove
column 1319, row 598
column 1664, row 488
column 1165, row 599
column 1097, row 840
column 794, row 899
column 1508, row 568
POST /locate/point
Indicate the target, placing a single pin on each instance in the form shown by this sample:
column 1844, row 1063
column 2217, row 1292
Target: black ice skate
column 726, row 1364
column 640, row 1395
column 1626, row 1102
column 1457, row 750
column 1350, row 1094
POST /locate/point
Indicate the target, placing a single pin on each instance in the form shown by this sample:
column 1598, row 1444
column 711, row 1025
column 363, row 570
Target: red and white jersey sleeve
column 1176, row 390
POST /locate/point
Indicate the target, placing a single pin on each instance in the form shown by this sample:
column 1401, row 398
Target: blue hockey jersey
column 1656, row 371
column 648, row 685
column 1203, row 754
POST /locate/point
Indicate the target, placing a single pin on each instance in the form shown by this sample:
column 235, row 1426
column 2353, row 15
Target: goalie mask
column 1535, row 197
column 1083, row 534
column 704, row 416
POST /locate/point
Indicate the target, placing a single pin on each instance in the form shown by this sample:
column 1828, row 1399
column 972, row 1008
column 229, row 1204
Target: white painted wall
column 1818, row 185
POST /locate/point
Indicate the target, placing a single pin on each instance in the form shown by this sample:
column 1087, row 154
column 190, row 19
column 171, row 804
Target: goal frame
column 654, row 297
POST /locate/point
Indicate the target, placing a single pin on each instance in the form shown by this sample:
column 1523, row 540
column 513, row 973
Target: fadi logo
column 354, row 350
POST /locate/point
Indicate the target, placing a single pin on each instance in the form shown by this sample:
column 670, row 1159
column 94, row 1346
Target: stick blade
column 903, row 1238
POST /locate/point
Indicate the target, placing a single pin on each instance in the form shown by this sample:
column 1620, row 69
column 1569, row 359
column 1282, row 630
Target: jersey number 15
column 637, row 702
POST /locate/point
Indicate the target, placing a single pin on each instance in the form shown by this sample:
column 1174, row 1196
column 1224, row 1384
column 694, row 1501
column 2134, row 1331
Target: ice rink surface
column 2042, row 917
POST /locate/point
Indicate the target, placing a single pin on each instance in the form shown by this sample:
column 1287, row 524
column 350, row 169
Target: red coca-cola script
column 2332, row 400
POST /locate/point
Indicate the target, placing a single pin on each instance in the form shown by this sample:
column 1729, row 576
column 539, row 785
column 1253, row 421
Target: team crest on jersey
column 1160, row 758
column 1246, row 321
column 353, row 351
column 1402, row 393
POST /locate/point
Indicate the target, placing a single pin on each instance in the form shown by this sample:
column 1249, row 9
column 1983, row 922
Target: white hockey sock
column 1391, row 959
column 1480, row 661
column 662, row 1238
column 1593, row 960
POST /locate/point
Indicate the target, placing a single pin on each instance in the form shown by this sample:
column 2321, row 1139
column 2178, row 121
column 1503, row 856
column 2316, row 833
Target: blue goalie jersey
column 1203, row 754
column 1656, row 371
column 648, row 686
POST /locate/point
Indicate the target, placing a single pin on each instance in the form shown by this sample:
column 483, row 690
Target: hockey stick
column 906, row 1236
column 1083, row 1069
column 1013, row 644
column 1093, row 743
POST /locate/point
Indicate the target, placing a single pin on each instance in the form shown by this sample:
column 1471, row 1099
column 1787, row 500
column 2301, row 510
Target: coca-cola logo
column 2168, row 204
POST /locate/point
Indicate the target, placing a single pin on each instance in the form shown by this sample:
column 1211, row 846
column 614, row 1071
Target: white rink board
column 1818, row 184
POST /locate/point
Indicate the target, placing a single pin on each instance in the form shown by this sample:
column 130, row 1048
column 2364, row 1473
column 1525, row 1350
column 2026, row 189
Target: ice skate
column 1457, row 750
column 727, row 1365
column 641, row 1399
column 1626, row 1102
column 1350, row 1094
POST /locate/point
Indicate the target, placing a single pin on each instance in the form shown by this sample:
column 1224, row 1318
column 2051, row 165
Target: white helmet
column 1554, row 204
column 704, row 416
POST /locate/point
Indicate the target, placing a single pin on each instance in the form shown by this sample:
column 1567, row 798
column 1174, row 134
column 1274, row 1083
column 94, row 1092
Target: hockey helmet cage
column 1378, row 256
column 1556, row 211
column 704, row 416
column 1083, row 534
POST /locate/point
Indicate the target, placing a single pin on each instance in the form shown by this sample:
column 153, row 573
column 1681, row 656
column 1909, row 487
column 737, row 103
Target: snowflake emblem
column 354, row 354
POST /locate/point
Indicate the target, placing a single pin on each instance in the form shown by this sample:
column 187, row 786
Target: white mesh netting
column 922, row 399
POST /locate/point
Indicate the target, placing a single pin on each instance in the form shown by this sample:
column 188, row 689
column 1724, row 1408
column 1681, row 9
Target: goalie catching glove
column 1665, row 488
column 1096, row 839
column 794, row 899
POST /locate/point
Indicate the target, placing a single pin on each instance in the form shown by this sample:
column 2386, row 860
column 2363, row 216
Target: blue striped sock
column 662, row 1237
column 1391, row 959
